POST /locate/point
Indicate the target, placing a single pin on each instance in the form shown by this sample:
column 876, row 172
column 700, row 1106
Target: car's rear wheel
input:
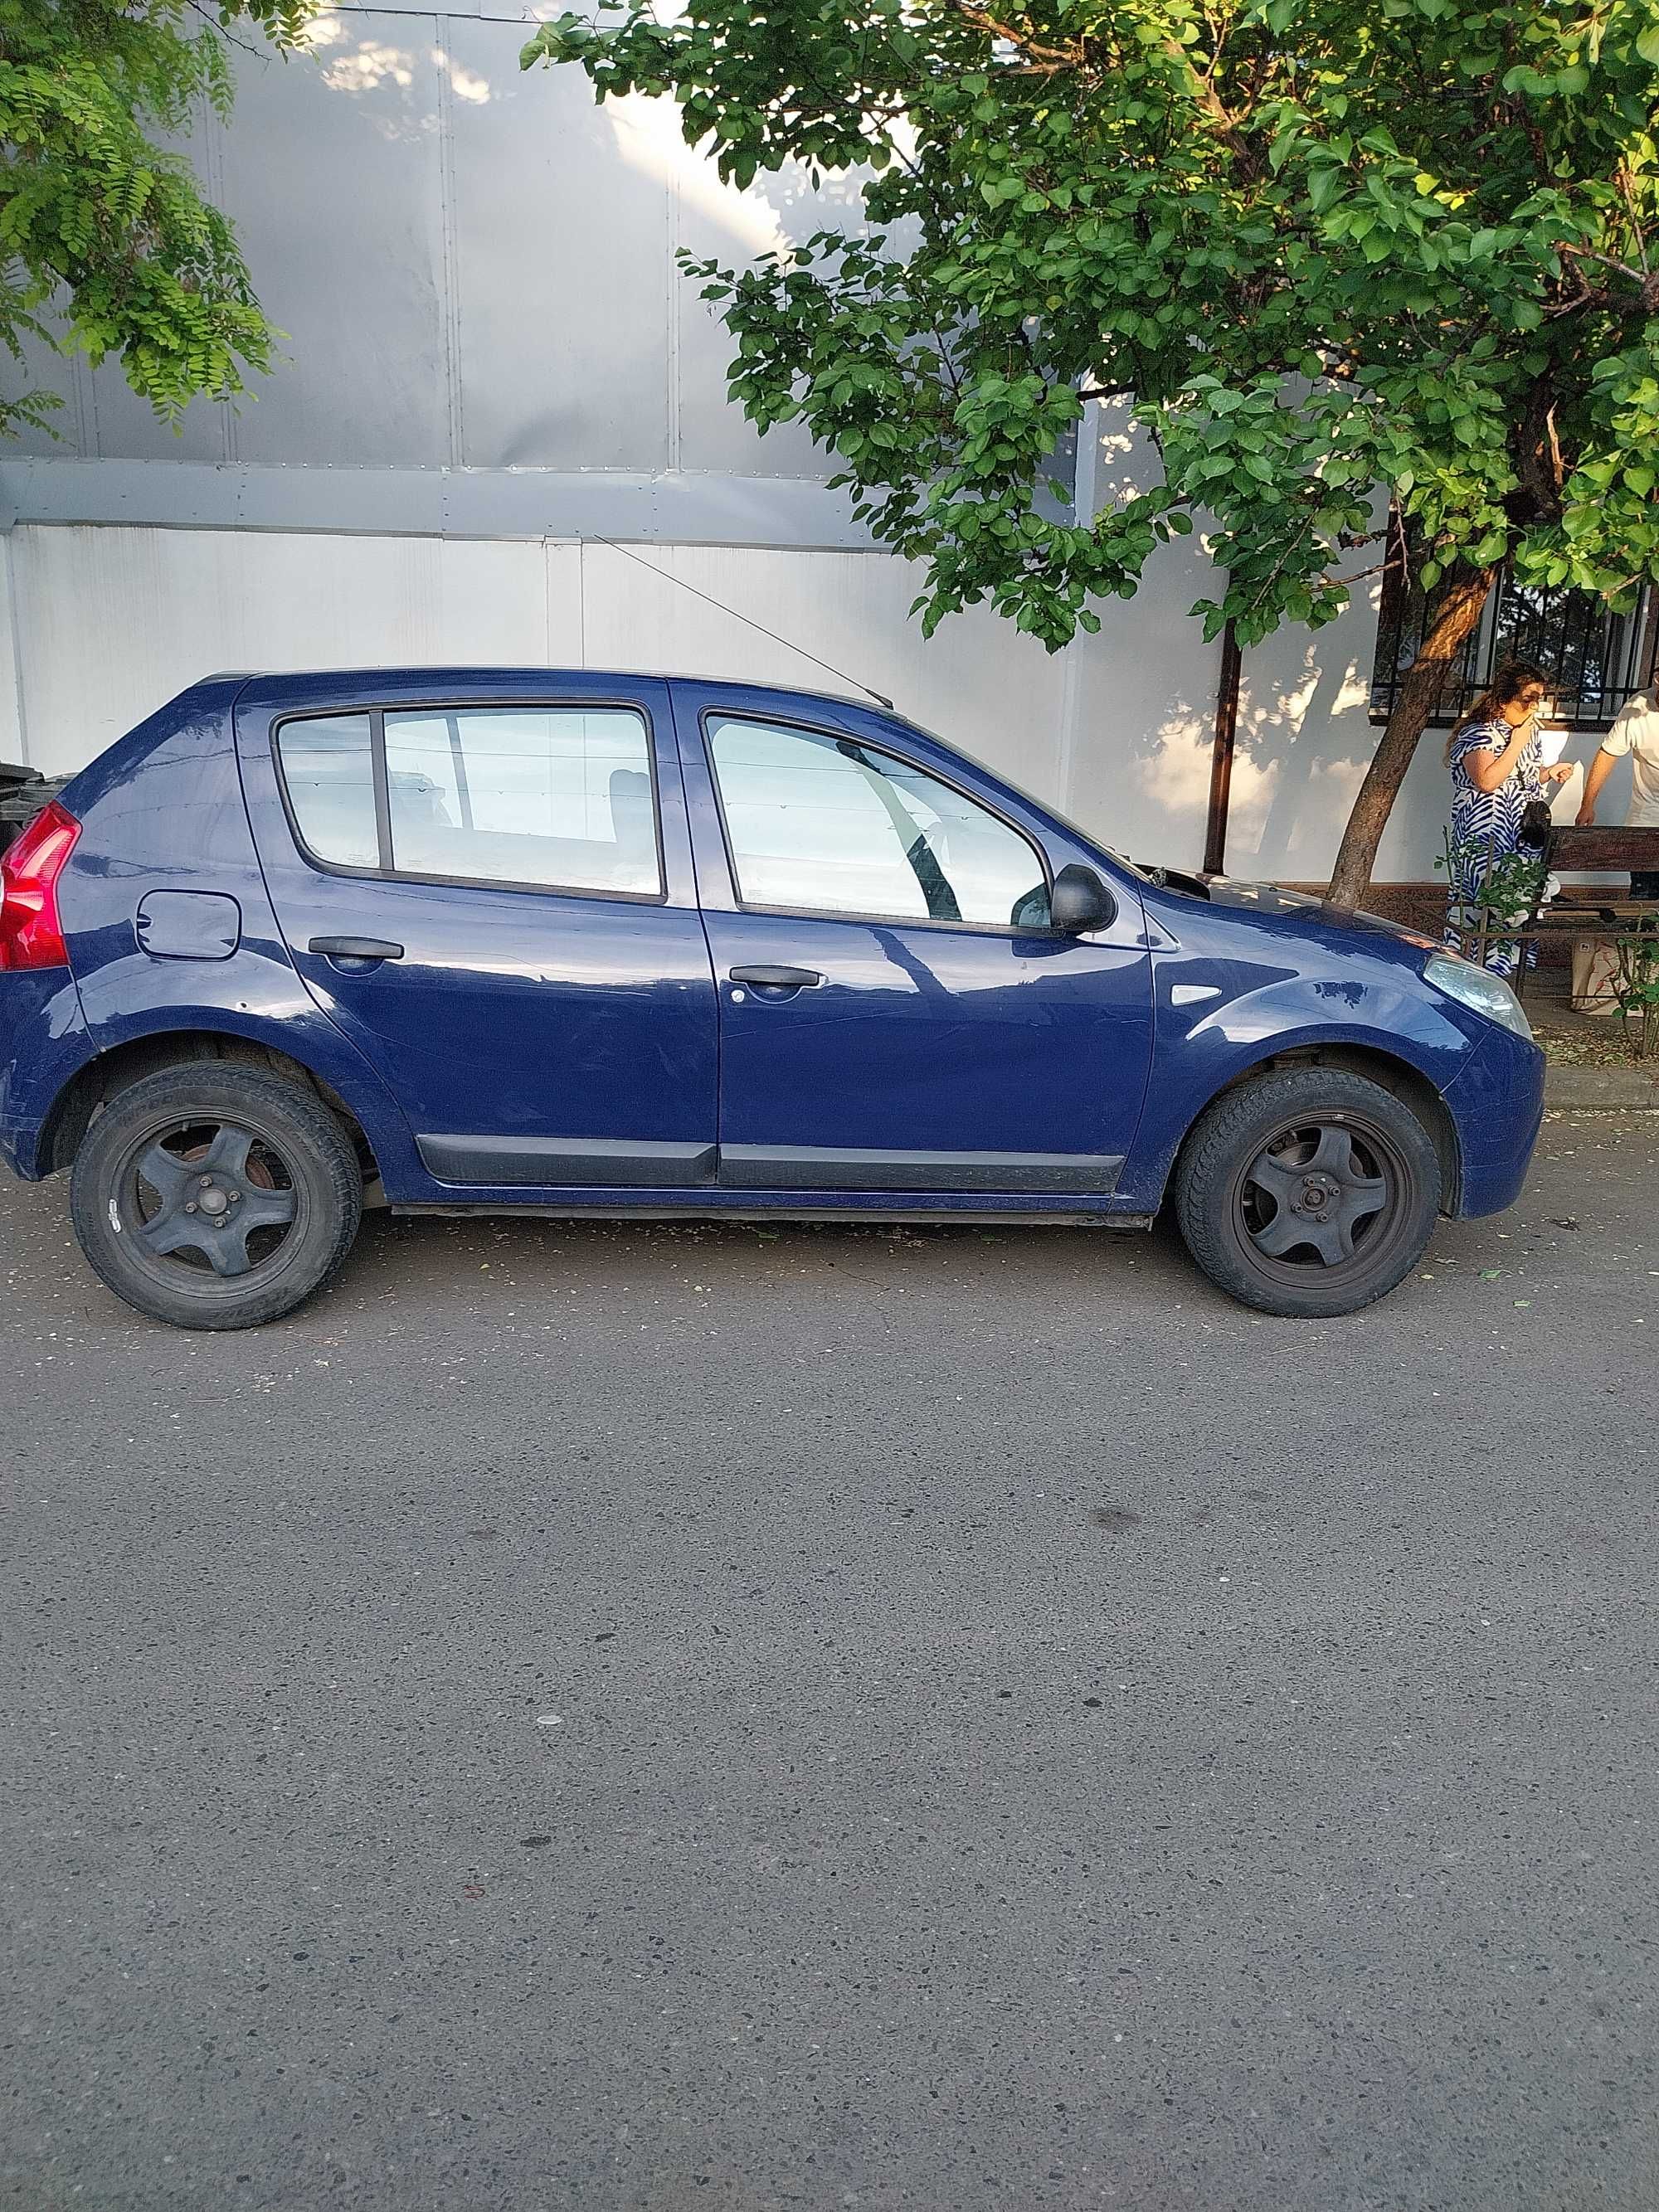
column 1308, row 1191
column 215, row 1196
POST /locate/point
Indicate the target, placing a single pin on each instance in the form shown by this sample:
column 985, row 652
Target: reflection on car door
column 895, row 1014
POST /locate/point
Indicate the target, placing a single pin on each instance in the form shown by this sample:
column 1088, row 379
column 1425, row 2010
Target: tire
column 1308, row 1149
column 215, row 1196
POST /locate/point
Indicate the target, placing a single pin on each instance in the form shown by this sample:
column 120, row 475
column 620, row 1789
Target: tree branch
column 1052, row 58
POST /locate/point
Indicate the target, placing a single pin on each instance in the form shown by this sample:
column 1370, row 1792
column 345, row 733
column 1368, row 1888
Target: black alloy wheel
column 1318, row 1191
column 1308, row 1191
column 216, row 1196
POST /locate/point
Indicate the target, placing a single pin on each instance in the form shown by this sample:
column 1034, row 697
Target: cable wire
column 788, row 643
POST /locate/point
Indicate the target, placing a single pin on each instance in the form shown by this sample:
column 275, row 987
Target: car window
column 555, row 795
column 328, row 766
column 830, row 825
column 560, row 796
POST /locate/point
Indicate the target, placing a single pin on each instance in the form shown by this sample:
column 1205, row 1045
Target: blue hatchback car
column 569, row 942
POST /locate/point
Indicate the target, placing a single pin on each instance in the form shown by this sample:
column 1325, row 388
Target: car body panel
column 521, row 1040
column 534, row 1038
column 1497, row 1102
column 1240, row 981
column 42, row 1045
column 163, row 814
column 932, row 1055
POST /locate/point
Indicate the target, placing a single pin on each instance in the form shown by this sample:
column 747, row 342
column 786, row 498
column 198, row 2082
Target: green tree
column 1329, row 254
column 107, row 246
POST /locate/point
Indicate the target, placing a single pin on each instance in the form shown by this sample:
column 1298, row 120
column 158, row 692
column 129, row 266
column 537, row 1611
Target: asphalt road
column 616, row 1717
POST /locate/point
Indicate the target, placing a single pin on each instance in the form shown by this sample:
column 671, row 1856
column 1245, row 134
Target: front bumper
column 1497, row 1102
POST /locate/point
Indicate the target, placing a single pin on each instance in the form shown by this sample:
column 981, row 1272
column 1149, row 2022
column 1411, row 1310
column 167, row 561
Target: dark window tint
column 328, row 768
column 830, row 825
column 554, row 795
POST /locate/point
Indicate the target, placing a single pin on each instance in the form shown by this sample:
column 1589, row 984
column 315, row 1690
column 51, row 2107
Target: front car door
column 895, row 1014
column 487, row 886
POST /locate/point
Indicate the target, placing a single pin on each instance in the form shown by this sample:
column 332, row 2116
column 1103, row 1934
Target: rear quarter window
column 328, row 772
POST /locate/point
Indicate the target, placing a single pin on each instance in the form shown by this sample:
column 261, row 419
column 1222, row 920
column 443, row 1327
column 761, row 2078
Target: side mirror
column 1079, row 902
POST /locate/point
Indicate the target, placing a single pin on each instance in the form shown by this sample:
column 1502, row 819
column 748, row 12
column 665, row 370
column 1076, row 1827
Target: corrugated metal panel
column 562, row 249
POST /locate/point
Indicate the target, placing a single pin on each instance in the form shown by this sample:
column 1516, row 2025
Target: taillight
column 30, row 934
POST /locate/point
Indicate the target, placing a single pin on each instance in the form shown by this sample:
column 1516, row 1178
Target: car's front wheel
column 1308, row 1191
column 216, row 1196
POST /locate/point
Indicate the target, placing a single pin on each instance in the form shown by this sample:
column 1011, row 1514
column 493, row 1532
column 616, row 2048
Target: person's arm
column 1594, row 776
column 1491, row 771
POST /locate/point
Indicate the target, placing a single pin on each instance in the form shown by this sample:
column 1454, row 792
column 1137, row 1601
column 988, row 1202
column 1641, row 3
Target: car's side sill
column 544, row 1163
column 788, row 1205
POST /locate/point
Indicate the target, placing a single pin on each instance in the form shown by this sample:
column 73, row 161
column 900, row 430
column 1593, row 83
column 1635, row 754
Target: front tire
column 1310, row 1192
column 216, row 1196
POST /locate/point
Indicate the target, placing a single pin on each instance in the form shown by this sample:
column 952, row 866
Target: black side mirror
column 1079, row 902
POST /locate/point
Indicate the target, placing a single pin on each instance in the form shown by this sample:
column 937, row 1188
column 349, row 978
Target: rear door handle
column 777, row 979
column 356, row 948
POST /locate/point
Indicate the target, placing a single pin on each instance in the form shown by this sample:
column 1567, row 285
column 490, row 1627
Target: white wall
column 109, row 622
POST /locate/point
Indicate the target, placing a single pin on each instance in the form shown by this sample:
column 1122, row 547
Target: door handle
column 356, row 948
column 776, row 979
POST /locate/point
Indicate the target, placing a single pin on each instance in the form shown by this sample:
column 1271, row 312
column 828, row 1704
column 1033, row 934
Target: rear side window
column 830, row 825
column 553, row 797
column 329, row 770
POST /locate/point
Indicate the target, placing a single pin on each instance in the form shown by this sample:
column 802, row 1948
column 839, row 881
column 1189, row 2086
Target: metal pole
column 1221, row 758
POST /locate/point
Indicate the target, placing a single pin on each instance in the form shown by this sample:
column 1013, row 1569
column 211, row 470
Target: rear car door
column 895, row 1012
column 488, row 888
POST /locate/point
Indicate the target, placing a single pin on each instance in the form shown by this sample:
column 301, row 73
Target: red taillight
column 30, row 935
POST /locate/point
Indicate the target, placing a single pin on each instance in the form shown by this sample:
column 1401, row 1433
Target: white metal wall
column 107, row 623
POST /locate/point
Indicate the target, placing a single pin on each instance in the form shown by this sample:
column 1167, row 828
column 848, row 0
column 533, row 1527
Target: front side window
column 554, row 796
column 830, row 825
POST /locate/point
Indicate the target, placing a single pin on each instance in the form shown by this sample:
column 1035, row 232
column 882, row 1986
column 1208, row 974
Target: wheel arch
column 1386, row 1069
column 111, row 1070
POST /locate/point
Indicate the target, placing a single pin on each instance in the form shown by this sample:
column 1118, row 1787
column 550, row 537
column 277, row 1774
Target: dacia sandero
column 566, row 942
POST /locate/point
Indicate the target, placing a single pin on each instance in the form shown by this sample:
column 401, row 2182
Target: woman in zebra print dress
column 1496, row 768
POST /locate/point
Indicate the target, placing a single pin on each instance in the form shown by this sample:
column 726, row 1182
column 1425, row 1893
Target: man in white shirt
column 1635, row 731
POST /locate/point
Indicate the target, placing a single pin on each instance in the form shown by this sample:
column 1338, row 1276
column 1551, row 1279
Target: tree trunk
column 1416, row 699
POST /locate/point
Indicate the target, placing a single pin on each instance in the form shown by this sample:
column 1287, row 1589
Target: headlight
column 1478, row 987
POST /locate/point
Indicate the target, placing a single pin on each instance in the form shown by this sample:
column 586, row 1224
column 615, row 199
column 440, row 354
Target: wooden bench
column 1580, row 911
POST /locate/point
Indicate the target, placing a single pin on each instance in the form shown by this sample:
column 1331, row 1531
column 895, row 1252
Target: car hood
column 1268, row 898
column 1269, row 902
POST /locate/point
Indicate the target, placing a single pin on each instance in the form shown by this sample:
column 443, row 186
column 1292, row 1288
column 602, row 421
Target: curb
column 1580, row 1089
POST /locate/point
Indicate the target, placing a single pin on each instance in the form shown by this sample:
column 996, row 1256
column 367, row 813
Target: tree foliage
column 1317, row 248
column 108, row 246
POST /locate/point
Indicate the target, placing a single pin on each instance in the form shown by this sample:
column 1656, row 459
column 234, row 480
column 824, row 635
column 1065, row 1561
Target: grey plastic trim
column 547, row 1163
column 824, row 1167
column 687, row 507
column 786, row 1206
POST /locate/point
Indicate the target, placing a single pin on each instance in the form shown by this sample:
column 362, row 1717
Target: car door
column 492, row 896
column 895, row 1013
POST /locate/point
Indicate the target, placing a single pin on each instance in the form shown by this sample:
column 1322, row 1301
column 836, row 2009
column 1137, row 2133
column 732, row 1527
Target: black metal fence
column 1598, row 658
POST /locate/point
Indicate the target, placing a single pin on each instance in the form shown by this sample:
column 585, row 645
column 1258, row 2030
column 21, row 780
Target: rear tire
column 1310, row 1192
column 215, row 1196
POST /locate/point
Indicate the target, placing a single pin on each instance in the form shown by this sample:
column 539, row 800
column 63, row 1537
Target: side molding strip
column 547, row 1163
column 824, row 1167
